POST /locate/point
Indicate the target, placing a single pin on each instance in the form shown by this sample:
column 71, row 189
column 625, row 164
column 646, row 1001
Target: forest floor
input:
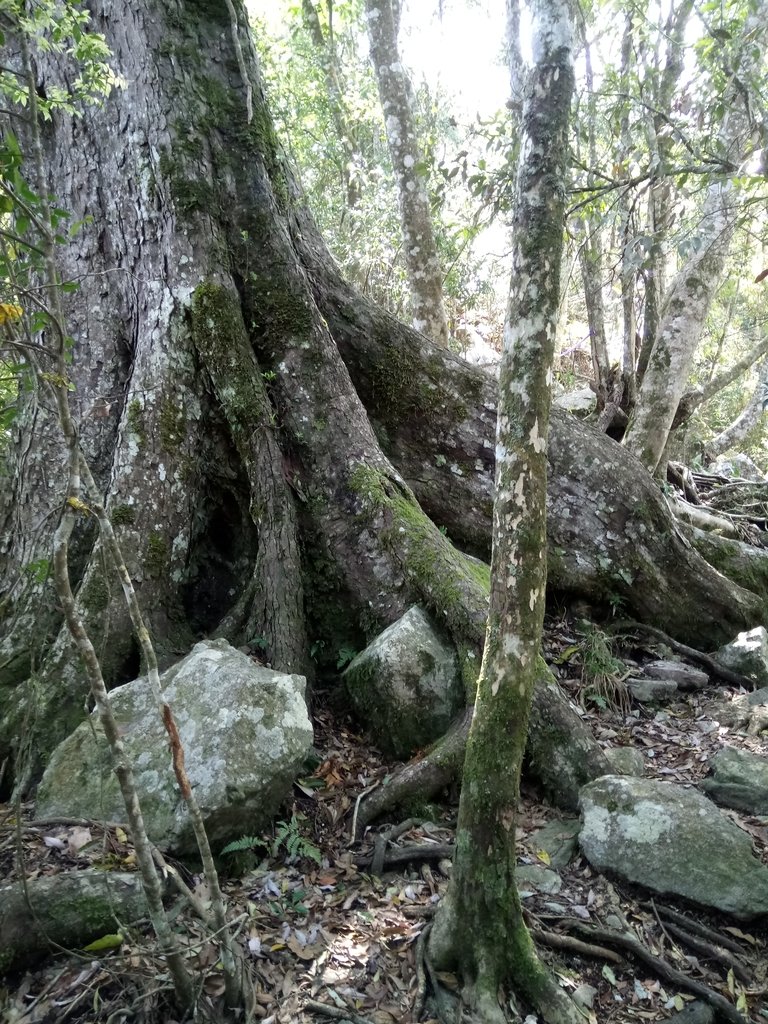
column 328, row 939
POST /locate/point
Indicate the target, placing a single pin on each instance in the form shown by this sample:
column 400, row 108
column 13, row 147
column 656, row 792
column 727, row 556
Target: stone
column 579, row 403
column 626, row 761
column 245, row 733
column 532, row 877
column 646, row 691
column 739, row 467
column 405, row 686
column 748, row 655
column 686, row 676
column 740, row 780
column 694, row 1013
column 671, row 840
column 559, row 840
column 70, row 908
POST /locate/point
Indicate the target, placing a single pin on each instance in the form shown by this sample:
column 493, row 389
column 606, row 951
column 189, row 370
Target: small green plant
column 288, row 838
column 346, row 654
column 603, row 675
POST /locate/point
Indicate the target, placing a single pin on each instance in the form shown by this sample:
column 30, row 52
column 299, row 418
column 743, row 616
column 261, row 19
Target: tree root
column 557, row 941
column 420, row 778
column 710, row 663
column 719, row 1003
column 403, row 855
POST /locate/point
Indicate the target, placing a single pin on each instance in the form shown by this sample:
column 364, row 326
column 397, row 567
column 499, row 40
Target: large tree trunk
column 270, row 445
column 612, row 536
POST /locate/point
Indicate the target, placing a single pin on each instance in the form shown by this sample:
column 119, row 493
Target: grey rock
column 580, row 402
column 739, row 467
column 626, row 761
column 559, row 840
column 748, row 655
column 694, row 1013
column 686, row 677
column 740, row 780
column 71, row 909
column 671, row 840
column 530, row 876
column 405, row 686
column 649, row 690
column 245, row 733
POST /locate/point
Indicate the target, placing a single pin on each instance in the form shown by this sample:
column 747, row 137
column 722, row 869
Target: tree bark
column 245, row 410
column 425, row 276
column 690, row 295
column 494, row 950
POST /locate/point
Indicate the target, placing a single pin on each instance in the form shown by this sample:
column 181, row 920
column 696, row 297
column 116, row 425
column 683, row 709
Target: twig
column 726, row 1009
column 336, row 1012
column 722, row 956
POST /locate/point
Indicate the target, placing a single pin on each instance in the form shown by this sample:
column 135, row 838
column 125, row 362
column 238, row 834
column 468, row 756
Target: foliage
column 26, row 216
column 288, row 838
column 602, row 673
column 366, row 239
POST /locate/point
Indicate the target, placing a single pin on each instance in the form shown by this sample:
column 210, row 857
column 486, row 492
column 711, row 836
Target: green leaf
column 104, row 943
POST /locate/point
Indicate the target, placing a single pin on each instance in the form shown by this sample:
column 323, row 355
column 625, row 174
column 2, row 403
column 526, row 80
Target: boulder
column 69, row 909
column 748, row 655
column 579, row 403
column 671, row 840
column 686, row 677
column 405, row 686
column 646, row 691
column 559, row 840
column 245, row 733
column 740, row 780
column 739, row 467
column 626, row 761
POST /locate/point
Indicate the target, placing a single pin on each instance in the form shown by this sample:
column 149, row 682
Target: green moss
column 190, row 195
column 95, row 595
column 135, row 421
column 447, row 581
column 277, row 307
column 172, row 424
column 156, row 555
column 123, row 515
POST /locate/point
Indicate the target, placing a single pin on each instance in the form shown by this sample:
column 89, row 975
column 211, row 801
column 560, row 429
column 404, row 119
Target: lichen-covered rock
column 671, row 840
column 686, row 676
column 740, row 779
column 748, row 655
column 405, row 686
column 69, row 909
column 245, row 733
column 626, row 761
column 646, row 691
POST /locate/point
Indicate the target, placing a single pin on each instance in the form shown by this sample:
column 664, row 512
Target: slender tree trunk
column 325, row 49
column 492, row 948
column 425, row 275
column 691, row 293
column 745, row 422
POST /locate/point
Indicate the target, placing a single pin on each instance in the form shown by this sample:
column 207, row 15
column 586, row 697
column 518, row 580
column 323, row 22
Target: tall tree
column 491, row 944
column 425, row 275
column 275, row 451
